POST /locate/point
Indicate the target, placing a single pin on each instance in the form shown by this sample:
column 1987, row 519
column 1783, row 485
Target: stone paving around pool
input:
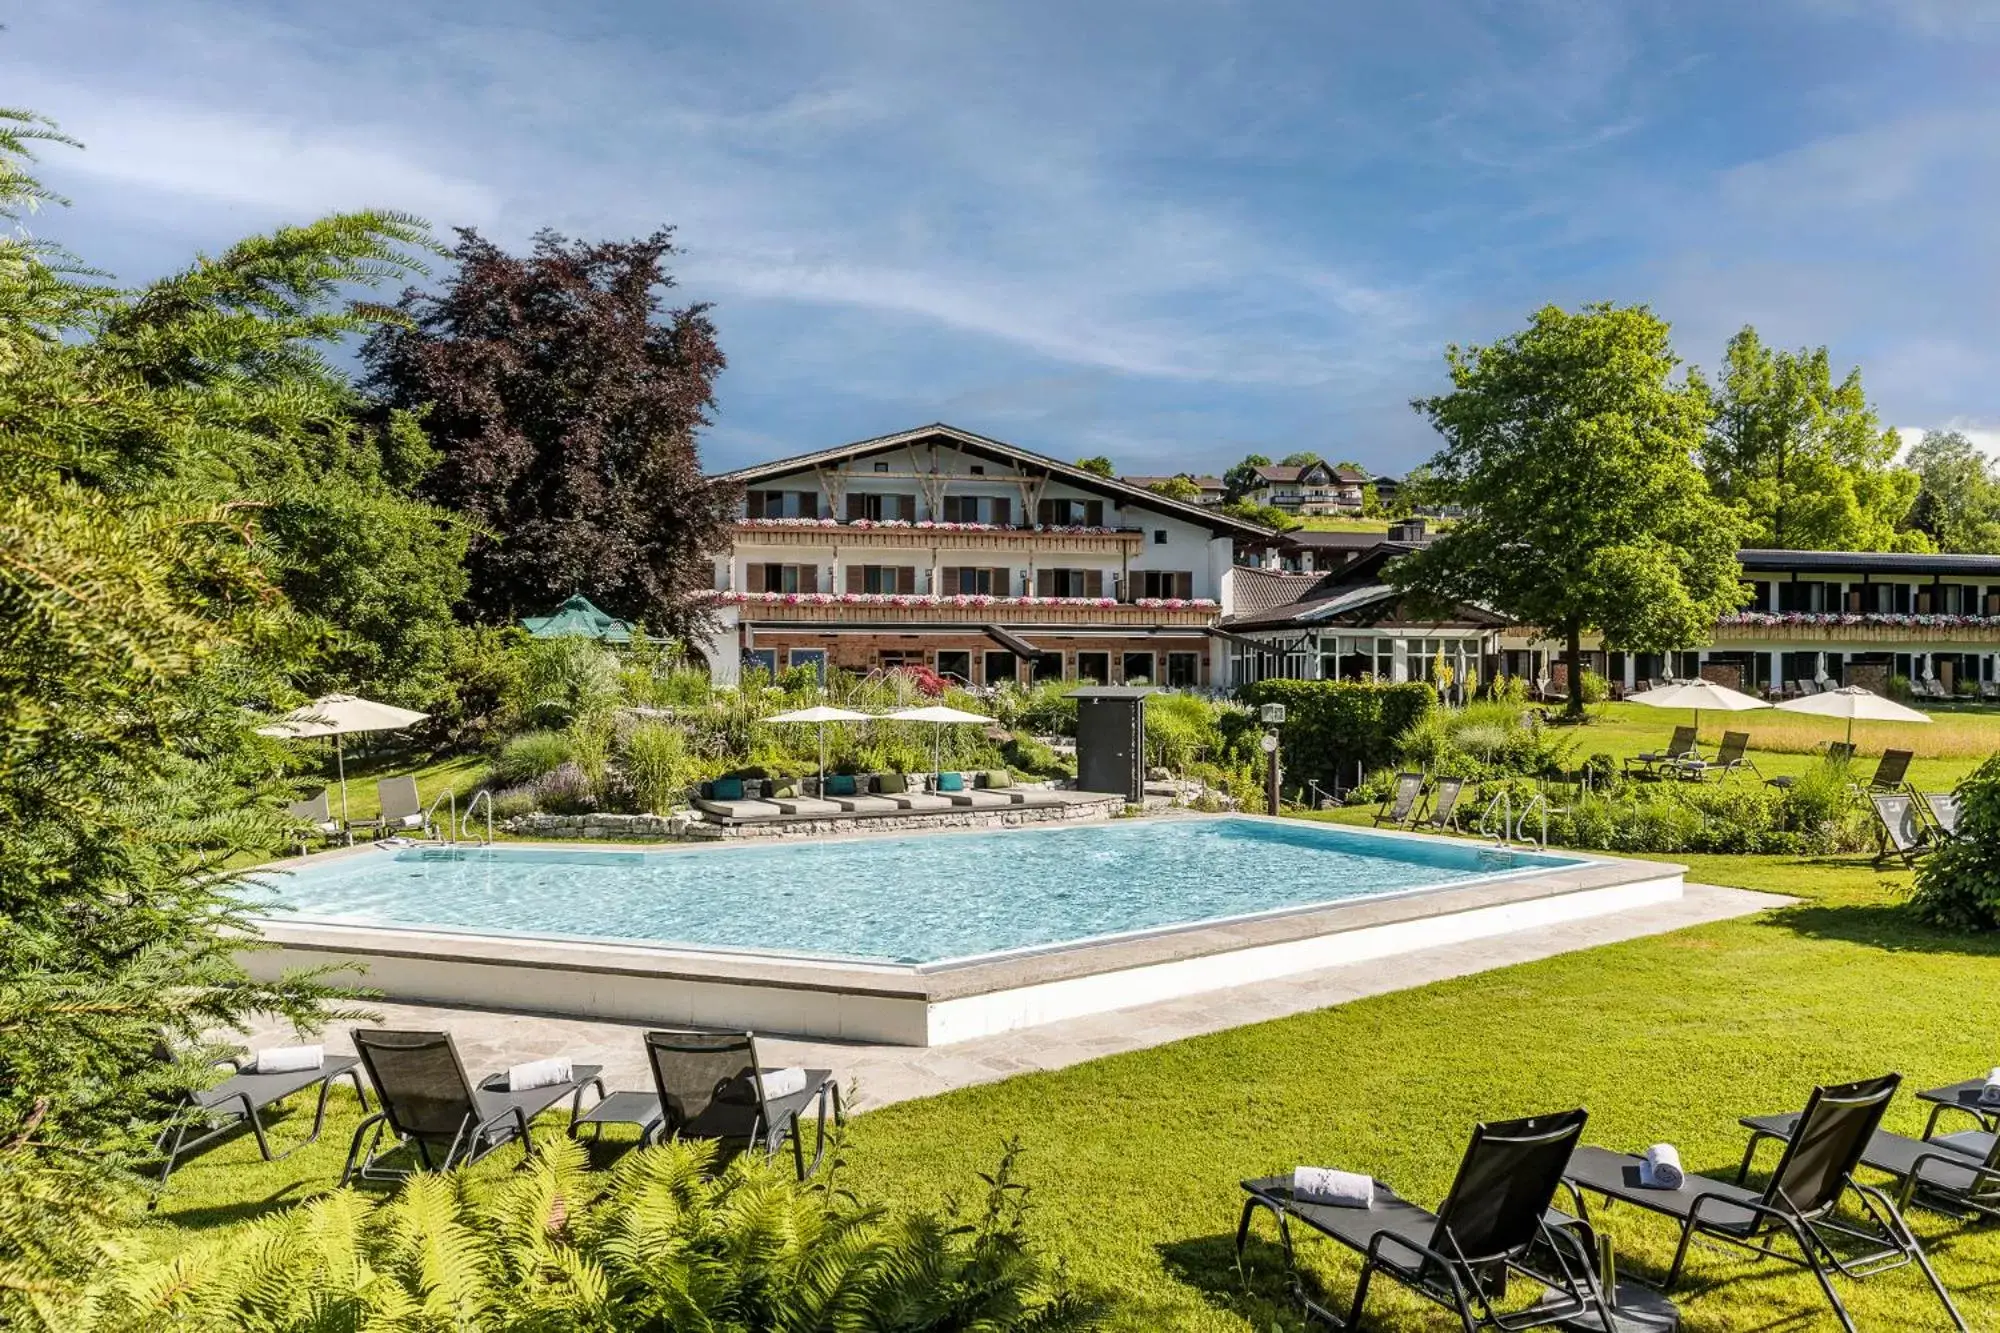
column 877, row 1075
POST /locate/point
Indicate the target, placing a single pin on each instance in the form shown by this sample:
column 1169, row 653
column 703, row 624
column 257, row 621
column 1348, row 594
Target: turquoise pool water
column 921, row 899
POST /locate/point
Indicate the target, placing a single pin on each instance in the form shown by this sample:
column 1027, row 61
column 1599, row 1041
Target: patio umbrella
column 939, row 716
column 1852, row 702
column 822, row 714
column 1698, row 694
column 337, row 715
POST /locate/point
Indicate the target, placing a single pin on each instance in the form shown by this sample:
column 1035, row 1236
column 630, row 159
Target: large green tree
column 1803, row 458
column 566, row 400
column 163, row 453
column 1958, row 505
column 1242, row 479
column 1570, row 447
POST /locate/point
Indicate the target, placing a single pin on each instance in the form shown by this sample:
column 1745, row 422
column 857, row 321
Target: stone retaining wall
column 652, row 828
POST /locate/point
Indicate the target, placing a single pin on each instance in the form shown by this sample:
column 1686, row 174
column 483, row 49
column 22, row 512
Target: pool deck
column 879, row 1074
column 940, row 1004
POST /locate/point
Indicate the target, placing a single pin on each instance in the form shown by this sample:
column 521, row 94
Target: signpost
column 1273, row 716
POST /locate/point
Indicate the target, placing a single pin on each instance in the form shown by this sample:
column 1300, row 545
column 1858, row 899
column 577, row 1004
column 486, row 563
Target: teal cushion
column 728, row 789
column 840, row 784
column 951, row 782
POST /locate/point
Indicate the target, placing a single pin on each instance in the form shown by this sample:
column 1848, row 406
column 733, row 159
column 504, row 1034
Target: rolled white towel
column 1662, row 1169
column 1990, row 1094
column 1340, row 1189
column 538, row 1074
column 782, row 1082
column 287, row 1059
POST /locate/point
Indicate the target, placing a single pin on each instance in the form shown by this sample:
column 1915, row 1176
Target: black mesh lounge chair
column 1953, row 1173
column 1899, row 831
column 1680, row 746
column 428, row 1102
column 710, row 1085
column 1890, row 770
column 1401, row 807
column 1495, row 1221
column 1444, row 805
column 1731, row 756
column 241, row 1099
column 1798, row 1203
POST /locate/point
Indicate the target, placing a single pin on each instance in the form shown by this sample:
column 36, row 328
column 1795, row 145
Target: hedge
column 1331, row 725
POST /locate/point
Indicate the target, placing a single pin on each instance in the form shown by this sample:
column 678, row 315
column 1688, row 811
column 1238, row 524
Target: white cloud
column 263, row 163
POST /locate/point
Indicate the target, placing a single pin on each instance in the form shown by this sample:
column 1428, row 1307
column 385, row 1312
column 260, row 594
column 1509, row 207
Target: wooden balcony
column 1125, row 615
column 752, row 534
column 1978, row 632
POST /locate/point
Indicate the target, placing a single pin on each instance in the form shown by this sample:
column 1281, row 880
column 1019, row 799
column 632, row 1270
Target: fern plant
column 662, row 1241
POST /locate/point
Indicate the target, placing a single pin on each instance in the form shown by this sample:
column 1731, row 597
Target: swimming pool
column 926, row 899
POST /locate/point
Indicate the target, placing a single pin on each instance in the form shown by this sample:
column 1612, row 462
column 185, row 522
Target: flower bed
column 1885, row 620
column 967, row 600
column 930, row 525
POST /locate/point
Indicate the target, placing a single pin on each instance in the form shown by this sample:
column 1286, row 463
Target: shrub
column 531, row 754
column 1180, row 729
column 1596, row 689
column 1028, row 755
column 565, row 790
column 1958, row 885
column 657, row 766
column 1332, row 725
column 1819, row 807
column 556, row 681
column 663, row 1241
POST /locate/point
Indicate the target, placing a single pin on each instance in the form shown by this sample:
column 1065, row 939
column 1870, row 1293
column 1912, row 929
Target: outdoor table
column 1964, row 1097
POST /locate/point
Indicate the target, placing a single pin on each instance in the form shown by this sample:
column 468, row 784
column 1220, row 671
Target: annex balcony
column 864, row 534
column 922, row 609
column 1853, row 627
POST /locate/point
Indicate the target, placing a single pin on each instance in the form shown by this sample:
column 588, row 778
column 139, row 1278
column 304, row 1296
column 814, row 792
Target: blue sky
column 1170, row 232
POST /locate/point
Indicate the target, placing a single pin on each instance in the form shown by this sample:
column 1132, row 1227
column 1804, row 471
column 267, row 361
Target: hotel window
column 1162, row 583
column 1002, row 666
column 955, row 665
column 877, row 508
column 881, row 578
column 1070, row 513
column 1183, row 669
column 1094, row 666
column 783, row 504
column 784, row 578
column 995, row 509
column 1138, row 668
column 1069, row 583
column 969, row 580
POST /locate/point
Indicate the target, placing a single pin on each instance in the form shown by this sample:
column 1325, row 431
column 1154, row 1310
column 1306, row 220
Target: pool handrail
column 430, row 822
column 485, row 794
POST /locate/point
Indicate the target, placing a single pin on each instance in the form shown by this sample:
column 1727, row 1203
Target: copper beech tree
column 565, row 399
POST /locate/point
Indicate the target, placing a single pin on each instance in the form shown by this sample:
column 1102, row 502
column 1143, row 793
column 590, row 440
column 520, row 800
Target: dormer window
column 881, row 467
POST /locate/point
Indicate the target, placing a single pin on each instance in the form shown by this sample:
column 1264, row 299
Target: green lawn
column 1135, row 1158
column 463, row 774
column 1337, row 523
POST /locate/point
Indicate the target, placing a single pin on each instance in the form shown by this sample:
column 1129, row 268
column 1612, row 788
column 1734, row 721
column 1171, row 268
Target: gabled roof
column 1257, row 590
column 1206, row 483
column 1868, row 562
column 1353, row 588
column 1000, row 451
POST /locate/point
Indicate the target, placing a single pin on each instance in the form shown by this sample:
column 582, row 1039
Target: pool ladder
column 1514, row 829
column 430, row 825
column 456, row 827
column 483, row 794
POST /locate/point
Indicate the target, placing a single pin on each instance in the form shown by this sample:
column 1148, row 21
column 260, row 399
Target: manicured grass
column 1946, row 749
column 1336, row 523
column 463, row 774
column 1135, row 1159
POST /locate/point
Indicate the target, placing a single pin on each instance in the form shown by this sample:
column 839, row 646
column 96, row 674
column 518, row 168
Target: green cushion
column 783, row 791
column 951, row 782
column 892, row 784
column 997, row 778
column 728, row 789
column 840, row 784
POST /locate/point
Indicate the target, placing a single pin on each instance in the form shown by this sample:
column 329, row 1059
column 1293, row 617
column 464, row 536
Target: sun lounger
column 1444, row 805
column 1680, row 746
column 429, row 1103
column 1954, row 1173
column 790, row 801
column 1495, row 1222
column 314, row 813
column 850, row 793
column 1943, row 807
column 1989, row 690
column 1898, row 829
column 712, row 1085
column 1401, row 806
column 1799, row 1203
column 896, row 787
column 1730, row 756
column 727, row 799
column 242, row 1098
column 402, row 810
column 1890, row 770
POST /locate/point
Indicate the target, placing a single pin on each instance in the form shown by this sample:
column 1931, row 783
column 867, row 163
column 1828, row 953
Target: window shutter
column 1093, row 583
column 950, row 581
column 1045, row 583
column 954, row 508
column 1093, row 513
column 857, row 507
column 906, row 579
column 1045, row 514
column 1003, row 510
column 857, row 577
column 906, row 508
column 1003, row 582
column 1184, row 584
column 756, row 499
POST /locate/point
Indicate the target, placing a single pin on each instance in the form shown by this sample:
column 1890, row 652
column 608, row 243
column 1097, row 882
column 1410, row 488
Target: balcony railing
column 1857, row 627
column 822, row 608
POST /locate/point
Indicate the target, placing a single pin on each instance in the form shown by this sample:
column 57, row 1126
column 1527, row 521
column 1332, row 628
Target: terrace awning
column 1013, row 643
